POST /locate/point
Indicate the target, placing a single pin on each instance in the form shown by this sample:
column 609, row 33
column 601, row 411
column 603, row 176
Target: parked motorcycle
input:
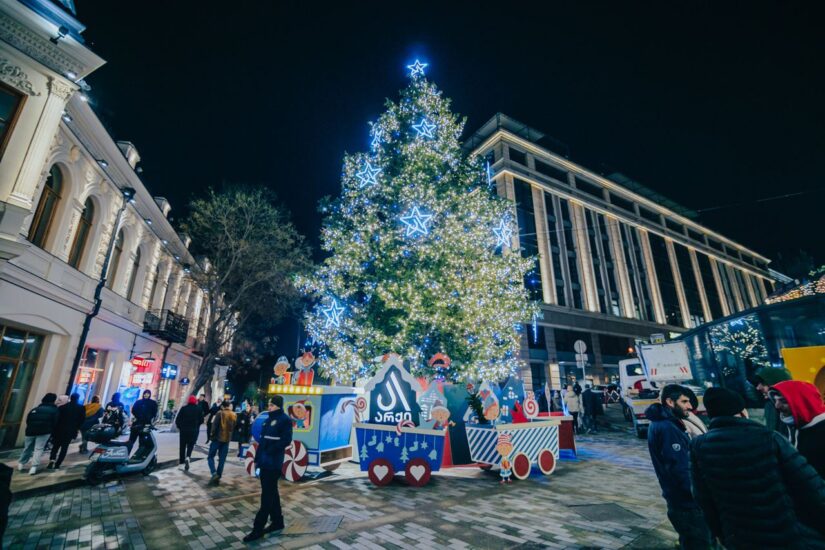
column 112, row 457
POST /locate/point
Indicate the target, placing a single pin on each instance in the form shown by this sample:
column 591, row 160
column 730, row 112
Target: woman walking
column 573, row 403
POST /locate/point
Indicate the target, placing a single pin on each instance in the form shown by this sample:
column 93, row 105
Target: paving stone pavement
column 460, row 508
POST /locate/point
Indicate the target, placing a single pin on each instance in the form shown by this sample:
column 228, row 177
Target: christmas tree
column 421, row 256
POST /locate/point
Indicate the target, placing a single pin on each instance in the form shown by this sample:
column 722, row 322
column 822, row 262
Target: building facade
column 616, row 261
column 62, row 208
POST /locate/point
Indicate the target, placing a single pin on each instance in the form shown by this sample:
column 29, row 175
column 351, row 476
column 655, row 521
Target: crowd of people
column 738, row 482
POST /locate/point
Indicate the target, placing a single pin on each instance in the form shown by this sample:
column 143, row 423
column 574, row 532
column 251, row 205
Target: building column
column 720, row 288
column 734, row 287
column 652, row 279
column 748, row 278
column 697, row 273
column 545, row 264
column 680, row 287
column 625, row 292
column 586, row 272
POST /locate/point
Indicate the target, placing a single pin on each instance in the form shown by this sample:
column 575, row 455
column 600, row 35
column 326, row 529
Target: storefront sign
column 143, row 362
column 184, row 381
column 142, row 378
column 169, row 371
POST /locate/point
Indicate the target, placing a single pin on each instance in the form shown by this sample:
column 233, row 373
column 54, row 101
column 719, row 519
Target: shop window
column 84, row 227
column 11, row 102
column 46, row 208
column 89, row 375
column 19, row 353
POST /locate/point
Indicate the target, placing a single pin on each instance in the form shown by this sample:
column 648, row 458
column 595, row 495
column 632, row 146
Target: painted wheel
column 249, row 458
column 417, row 472
column 380, row 472
column 546, row 461
column 521, row 466
column 296, row 460
column 332, row 467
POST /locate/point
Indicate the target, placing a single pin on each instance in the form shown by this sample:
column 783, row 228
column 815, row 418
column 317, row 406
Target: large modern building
column 616, row 261
column 71, row 196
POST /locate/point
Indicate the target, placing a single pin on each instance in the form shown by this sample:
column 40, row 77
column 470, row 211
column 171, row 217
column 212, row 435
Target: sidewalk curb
column 79, row 482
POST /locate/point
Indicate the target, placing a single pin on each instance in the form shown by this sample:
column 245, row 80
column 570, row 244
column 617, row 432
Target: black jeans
column 692, row 528
column 187, row 443
column 60, row 445
column 270, row 501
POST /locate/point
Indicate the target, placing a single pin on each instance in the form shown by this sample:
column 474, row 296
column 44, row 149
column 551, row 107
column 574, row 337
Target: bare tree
column 253, row 253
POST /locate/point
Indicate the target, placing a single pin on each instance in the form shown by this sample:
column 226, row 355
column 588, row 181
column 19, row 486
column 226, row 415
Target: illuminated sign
column 142, row 378
column 143, row 362
column 296, row 390
column 184, row 381
column 169, row 371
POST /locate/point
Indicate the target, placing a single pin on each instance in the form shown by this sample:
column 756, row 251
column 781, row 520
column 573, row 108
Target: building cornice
column 15, row 77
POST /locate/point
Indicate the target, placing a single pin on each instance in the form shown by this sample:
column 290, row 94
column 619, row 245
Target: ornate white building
column 63, row 181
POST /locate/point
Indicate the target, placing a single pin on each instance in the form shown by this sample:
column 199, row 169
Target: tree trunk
column 205, row 372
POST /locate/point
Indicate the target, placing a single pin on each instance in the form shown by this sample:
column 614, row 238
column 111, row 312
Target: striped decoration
column 529, row 440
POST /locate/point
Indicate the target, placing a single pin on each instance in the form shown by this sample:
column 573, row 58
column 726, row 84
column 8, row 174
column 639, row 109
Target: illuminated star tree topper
column 412, row 259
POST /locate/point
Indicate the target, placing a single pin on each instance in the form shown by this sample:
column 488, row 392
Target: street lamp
column 128, row 194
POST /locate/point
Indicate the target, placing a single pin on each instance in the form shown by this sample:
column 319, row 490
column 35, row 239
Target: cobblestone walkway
column 460, row 508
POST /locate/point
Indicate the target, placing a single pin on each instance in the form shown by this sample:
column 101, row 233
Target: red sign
column 143, row 362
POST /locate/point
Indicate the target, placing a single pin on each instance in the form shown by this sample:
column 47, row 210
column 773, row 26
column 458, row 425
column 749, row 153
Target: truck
column 642, row 377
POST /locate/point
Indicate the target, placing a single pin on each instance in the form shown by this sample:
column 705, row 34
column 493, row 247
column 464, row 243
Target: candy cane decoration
column 359, row 406
column 403, row 424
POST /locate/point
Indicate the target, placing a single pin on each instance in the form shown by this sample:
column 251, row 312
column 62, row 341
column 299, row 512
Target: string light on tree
column 424, row 129
column 416, row 222
column 417, row 68
column 503, row 233
column 377, row 137
column 333, row 314
column 368, row 175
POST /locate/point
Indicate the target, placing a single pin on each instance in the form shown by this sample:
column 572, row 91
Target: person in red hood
column 800, row 404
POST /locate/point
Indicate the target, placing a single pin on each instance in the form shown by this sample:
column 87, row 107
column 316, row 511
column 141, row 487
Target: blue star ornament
column 367, row 175
column 424, row 128
column 417, row 68
column 377, row 136
column 333, row 314
column 416, row 222
column 503, row 233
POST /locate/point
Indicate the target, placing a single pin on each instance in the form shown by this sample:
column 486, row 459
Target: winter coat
column 669, row 446
column 70, row 417
column 242, row 427
column 755, row 489
column 276, row 436
column 41, row 420
column 223, row 425
column 189, row 419
column 93, row 413
column 571, row 400
column 694, row 426
column 145, row 411
column 204, row 405
column 592, row 402
column 808, row 412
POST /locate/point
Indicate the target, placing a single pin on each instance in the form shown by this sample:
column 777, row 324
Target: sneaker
column 51, row 465
column 214, row 479
column 272, row 527
column 186, row 465
column 33, row 470
column 57, row 467
column 254, row 535
column 21, row 467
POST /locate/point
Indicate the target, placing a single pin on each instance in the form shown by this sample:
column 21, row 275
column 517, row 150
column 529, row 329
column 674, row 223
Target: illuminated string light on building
column 416, row 222
column 417, row 68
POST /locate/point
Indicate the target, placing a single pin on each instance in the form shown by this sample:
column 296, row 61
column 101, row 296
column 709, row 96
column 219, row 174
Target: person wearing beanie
column 188, row 421
column 669, row 445
column 70, row 417
column 40, row 423
column 800, row 405
column 764, row 380
column 755, row 489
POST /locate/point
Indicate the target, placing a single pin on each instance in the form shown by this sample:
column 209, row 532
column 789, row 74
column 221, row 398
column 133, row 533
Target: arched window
column 46, row 208
column 133, row 276
column 84, row 227
column 115, row 261
column 155, row 279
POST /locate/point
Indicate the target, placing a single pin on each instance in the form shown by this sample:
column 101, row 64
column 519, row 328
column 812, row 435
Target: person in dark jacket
column 213, row 411
column 40, row 423
column 755, row 489
column 593, row 405
column 765, row 379
column 669, row 446
column 276, row 436
column 188, row 421
column 243, row 428
column 93, row 412
column 70, row 418
column 145, row 411
column 204, row 405
column 800, row 405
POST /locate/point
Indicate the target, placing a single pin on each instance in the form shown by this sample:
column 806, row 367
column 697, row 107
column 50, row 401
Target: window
column 551, row 171
column 46, row 208
column 528, row 240
column 609, row 267
column 650, row 216
column 539, row 376
column 716, row 244
column 590, row 188
column 696, row 236
column 84, row 227
column 155, row 279
column 535, row 336
column 690, row 286
column 743, row 288
column 706, row 270
column 667, row 282
column 518, row 157
column 637, row 272
column 19, row 353
column 115, row 261
column 726, row 287
column 572, row 253
column 554, row 234
column 133, row 277
column 674, row 226
column 621, row 202
column 10, row 103
column 595, row 257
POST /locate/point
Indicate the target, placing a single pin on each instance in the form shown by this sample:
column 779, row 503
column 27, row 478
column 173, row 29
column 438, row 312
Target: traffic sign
column 580, row 346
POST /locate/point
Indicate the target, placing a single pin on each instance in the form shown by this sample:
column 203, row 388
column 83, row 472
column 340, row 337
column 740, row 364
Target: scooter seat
column 118, row 443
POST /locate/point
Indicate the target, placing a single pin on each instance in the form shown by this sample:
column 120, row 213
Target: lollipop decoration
column 531, row 406
column 403, row 424
column 359, row 405
column 249, row 460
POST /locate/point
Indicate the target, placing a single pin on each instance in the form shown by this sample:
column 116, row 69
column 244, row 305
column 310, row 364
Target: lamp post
column 128, row 195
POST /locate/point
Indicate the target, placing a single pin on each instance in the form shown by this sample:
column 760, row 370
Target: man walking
column 800, row 406
column 755, row 489
column 40, row 423
column 70, row 418
column 222, row 427
column 214, row 410
column 765, row 378
column 145, row 411
column 669, row 446
column 276, row 436
column 189, row 420
column 592, row 402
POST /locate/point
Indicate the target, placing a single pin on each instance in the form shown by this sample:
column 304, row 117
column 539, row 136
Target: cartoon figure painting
column 441, row 415
column 304, row 375
column 280, row 374
column 505, row 449
column 301, row 414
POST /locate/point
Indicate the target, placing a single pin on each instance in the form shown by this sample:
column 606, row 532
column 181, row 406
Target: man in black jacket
column 145, row 411
column 40, row 423
column 276, row 436
column 189, row 420
column 755, row 489
column 70, row 417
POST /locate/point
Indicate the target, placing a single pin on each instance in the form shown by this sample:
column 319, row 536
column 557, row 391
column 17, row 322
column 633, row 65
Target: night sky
column 710, row 106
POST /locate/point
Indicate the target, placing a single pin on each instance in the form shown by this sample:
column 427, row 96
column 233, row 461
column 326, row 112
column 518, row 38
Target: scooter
column 113, row 456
